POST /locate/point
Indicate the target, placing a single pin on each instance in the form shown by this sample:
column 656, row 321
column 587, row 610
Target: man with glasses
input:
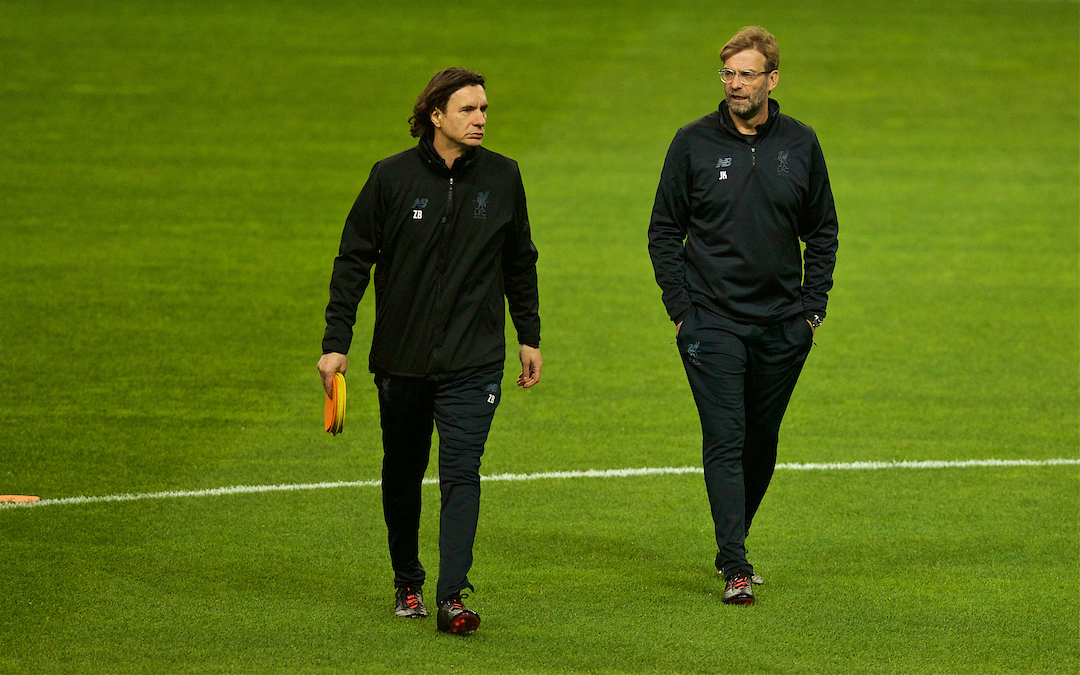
column 743, row 240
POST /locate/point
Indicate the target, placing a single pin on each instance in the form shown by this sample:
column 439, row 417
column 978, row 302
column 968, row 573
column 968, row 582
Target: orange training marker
column 330, row 409
column 18, row 499
column 334, row 410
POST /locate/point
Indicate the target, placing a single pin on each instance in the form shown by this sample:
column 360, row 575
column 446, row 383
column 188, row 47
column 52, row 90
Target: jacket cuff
column 683, row 316
column 337, row 346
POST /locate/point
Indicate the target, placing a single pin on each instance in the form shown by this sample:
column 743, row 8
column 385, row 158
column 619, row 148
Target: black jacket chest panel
column 729, row 175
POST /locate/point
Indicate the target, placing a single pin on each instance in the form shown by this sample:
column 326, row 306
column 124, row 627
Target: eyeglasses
column 727, row 75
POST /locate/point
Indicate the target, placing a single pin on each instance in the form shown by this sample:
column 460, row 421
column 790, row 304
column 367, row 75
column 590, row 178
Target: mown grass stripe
column 590, row 473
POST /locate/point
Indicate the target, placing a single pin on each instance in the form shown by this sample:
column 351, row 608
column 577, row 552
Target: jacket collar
column 762, row 129
column 434, row 161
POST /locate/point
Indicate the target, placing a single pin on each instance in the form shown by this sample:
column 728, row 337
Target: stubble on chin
column 746, row 109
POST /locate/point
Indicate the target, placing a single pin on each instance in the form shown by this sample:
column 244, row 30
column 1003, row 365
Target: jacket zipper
column 440, row 267
column 446, row 224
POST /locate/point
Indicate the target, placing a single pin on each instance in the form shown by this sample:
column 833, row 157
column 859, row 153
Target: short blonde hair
column 756, row 38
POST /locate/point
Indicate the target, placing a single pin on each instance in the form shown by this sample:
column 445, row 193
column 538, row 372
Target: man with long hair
column 446, row 229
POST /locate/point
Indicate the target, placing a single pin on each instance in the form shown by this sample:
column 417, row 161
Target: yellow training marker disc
column 339, row 419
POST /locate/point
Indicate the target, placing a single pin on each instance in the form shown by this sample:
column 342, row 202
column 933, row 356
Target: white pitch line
column 590, row 473
column 929, row 464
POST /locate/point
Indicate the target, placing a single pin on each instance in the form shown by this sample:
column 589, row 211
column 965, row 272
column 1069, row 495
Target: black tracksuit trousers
column 742, row 377
column 462, row 411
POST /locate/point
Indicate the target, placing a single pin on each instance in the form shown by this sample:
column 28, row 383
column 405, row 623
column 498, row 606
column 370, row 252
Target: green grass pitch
column 173, row 181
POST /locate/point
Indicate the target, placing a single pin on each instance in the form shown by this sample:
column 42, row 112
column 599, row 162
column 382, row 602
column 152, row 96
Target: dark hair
column 756, row 38
column 437, row 94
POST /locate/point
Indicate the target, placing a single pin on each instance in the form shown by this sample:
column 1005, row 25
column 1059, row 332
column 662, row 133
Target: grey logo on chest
column 481, row 204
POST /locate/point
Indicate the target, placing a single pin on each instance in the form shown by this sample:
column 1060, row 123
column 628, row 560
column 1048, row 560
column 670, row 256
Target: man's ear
column 436, row 117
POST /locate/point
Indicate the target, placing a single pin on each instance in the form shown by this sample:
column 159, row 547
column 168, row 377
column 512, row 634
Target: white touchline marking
column 590, row 473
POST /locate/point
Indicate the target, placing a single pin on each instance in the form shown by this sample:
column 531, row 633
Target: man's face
column 747, row 98
column 462, row 123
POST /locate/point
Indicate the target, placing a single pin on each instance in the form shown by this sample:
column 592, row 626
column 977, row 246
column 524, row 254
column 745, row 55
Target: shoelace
column 739, row 582
column 455, row 600
column 412, row 601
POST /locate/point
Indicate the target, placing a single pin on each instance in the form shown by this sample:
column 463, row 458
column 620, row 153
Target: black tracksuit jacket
column 729, row 214
column 447, row 246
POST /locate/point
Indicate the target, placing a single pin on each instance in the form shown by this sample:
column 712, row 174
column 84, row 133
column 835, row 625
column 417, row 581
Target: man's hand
column 531, row 363
column 329, row 365
column 678, row 326
column 812, row 329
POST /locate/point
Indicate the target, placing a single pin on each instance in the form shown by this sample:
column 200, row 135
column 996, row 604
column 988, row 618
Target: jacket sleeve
column 519, row 273
column 818, row 229
column 358, row 252
column 668, row 227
